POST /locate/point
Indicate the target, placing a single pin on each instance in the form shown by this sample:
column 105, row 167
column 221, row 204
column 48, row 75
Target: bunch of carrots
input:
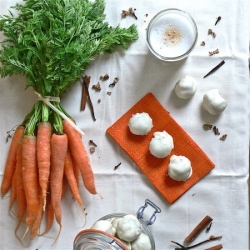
column 51, row 43
column 35, row 169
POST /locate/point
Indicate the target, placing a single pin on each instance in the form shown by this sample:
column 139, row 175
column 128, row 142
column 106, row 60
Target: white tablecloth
column 222, row 194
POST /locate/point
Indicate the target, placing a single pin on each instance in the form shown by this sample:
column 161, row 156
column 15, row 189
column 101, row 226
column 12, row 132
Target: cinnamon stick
column 217, row 247
column 196, row 231
column 86, row 82
column 84, row 93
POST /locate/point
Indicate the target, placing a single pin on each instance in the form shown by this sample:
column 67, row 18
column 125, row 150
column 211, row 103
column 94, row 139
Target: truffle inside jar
column 140, row 123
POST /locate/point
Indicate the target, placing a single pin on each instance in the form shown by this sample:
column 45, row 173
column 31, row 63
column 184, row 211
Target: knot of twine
column 47, row 100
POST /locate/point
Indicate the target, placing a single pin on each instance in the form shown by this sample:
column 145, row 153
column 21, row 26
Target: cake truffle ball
column 141, row 243
column 186, row 87
column 140, row 123
column 103, row 225
column 179, row 168
column 161, row 144
column 213, row 102
column 129, row 228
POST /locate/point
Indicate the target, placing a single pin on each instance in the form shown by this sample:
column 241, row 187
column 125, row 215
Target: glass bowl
column 171, row 35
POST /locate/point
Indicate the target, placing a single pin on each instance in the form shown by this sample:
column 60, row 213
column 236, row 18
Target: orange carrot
column 69, row 173
column 30, row 179
column 11, row 161
column 59, row 146
column 13, row 190
column 76, row 171
column 43, row 156
column 21, row 199
column 80, row 156
column 37, row 222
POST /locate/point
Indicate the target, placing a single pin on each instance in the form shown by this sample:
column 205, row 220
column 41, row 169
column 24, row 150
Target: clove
column 218, row 19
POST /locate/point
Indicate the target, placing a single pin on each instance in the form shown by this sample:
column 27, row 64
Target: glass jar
column 92, row 239
column 171, row 35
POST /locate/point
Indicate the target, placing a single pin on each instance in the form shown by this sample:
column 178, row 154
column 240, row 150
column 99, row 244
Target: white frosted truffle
column 179, row 168
column 104, row 225
column 127, row 244
column 161, row 144
column 186, row 87
column 129, row 228
column 213, row 102
column 140, row 123
column 114, row 223
column 141, row 243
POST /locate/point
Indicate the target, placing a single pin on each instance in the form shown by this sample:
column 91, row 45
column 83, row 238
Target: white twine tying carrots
column 47, row 100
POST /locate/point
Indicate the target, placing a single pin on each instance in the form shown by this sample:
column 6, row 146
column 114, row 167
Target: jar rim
column 155, row 18
column 88, row 232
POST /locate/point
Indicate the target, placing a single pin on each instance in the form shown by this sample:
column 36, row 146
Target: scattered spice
column 211, row 238
column 146, row 15
column 129, row 12
column 86, row 81
column 108, row 93
column 217, row 247
column 215, row 68
column 172, row 36
column 97, row 86
column 99, row 100
column 202, row 43
column 214, row 52
column 223, row 137
column 212, row 33
column 117, row 166
column 105, row 77
column 114, row 82
column 207, row 126
column 92, row 149
column 216, row 130
column 209, row 227
column 91, row 142
column 196, row 231
column 218, row 19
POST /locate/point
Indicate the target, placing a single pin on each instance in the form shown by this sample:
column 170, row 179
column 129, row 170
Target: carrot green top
column 52, row 43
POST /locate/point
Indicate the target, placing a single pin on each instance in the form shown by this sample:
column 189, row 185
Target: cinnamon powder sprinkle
column 172, row 36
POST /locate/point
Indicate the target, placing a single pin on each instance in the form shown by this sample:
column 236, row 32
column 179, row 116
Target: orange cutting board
column 137, row 147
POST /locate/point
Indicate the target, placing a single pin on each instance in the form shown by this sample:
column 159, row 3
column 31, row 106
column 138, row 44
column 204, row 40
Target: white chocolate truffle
column 179, row 168
column 213, row 102
column 186, row 87
column 141, row 243
column 140, row 123
column 127, row 244
column 161, row 144
column 103, row 225
column 114, row 223
column 129, row 228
